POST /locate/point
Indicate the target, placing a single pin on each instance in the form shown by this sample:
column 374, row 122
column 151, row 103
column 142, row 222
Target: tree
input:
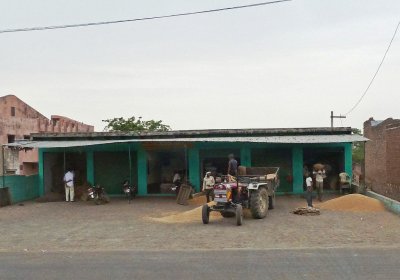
column 134, row 124
column 358, row 148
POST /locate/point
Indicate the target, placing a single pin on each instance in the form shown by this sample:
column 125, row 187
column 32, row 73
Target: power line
column 376, row 73
column 40, row 28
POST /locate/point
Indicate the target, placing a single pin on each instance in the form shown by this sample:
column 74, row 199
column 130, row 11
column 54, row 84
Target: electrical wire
column 376, row 73
column 41, row 28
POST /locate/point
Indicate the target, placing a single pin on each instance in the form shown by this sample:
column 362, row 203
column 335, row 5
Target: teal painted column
column 297, row 166
column 194, row 167
column 142, row 171
column 90, row 167
column 348, row 159
column 41, row 172
column 245, row 156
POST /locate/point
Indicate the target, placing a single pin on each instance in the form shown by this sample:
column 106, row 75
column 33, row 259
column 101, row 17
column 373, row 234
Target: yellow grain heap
column 190, row 216
column 353, row 203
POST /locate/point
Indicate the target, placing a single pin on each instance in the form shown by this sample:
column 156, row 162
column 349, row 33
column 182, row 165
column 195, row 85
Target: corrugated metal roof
column 300, row 139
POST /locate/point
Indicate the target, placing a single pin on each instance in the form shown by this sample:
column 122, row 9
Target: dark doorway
column 55, row 166
column 162, row 166
column 216, row 161
column 332, row 158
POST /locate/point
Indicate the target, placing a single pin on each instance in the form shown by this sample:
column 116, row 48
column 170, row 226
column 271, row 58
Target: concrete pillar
column 245, row 156
column 297, row 166
column 348, row 159
column 41, row 172
column 194, row 167
column 142, row 171
column 90, row 167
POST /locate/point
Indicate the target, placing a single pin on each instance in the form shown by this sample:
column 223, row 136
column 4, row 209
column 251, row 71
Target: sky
column 281, row 65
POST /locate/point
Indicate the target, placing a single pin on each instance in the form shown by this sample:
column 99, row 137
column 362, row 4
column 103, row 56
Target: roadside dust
column 353, row 203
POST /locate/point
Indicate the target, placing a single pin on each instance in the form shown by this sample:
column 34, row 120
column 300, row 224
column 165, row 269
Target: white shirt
column 69, row 179
column 309, row 182
column 177, row 178
column 319, row 177
column 208, row 182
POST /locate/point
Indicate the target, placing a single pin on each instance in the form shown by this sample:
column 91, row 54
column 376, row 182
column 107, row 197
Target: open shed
column 150, row 159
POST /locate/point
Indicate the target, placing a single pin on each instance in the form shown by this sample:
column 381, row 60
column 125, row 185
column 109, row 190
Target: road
column 320, row 264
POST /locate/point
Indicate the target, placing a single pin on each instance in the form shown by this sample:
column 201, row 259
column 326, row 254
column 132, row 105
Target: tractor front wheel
column 205, row 214
column 239, row 215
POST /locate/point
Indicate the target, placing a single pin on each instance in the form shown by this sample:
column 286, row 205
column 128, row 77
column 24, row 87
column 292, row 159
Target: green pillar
column 297, row 166
column 194, row 167
column 90, row 167
column 245, row 156
column 348, row 159
column 41, row 172
column 142, row 171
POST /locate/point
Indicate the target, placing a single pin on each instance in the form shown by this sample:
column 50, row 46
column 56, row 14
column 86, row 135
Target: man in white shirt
column 177, row 181
column 208, row 186
column 69, row 185
column 309, row 190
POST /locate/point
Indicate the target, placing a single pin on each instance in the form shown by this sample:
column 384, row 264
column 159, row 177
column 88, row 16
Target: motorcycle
column 129, row 191
column 98, row 195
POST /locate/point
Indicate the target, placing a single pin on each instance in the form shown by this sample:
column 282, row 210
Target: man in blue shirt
column 232, row 165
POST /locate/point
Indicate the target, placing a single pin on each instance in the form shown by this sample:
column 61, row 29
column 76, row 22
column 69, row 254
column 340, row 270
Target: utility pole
column 336, row 117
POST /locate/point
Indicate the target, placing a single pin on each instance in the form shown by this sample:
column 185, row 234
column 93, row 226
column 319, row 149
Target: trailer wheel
column 239, row 215
column 205, row 214
column 271, row 199
column 259, row 203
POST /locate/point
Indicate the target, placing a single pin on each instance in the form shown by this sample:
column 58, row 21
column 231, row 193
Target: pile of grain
column 191, row 216
column 353, row 203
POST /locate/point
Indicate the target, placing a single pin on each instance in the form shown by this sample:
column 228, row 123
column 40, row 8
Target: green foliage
column 358, row 148
column 134, row 124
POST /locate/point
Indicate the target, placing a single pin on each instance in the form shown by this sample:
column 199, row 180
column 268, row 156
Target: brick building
column 382, row 156
column 17, row 121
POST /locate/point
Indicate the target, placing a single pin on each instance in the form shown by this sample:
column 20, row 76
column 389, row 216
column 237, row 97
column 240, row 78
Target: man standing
column 232, row 165
column 177, row 181
column 208, row 186
column 309, row 190
column 319, row 180
column 69, row 185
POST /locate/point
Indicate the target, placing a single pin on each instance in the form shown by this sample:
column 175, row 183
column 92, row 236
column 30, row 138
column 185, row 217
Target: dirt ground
column 82, row 226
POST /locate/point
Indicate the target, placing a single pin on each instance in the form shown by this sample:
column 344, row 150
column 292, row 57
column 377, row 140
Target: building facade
column 382, row 156
column 149, row 160
column 17, row 121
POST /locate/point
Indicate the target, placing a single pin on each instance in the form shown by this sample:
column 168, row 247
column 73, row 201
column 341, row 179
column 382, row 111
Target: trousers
column 209, row 194
column 69, row 193
column 320, row 189
column 308, row 195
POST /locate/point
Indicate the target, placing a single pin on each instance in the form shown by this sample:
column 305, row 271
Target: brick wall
column 20, row 120
column 382, row 156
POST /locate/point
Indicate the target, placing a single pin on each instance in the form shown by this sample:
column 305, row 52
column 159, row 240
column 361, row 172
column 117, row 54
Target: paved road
column 320, row 264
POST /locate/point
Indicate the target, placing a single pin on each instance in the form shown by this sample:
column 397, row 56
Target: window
column 27, row 137
column 11, row 138
column 12, row 111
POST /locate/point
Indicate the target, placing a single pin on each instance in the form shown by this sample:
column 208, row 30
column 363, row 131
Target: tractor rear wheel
column 239, row 215
column 205, row 214
column 259, row 203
